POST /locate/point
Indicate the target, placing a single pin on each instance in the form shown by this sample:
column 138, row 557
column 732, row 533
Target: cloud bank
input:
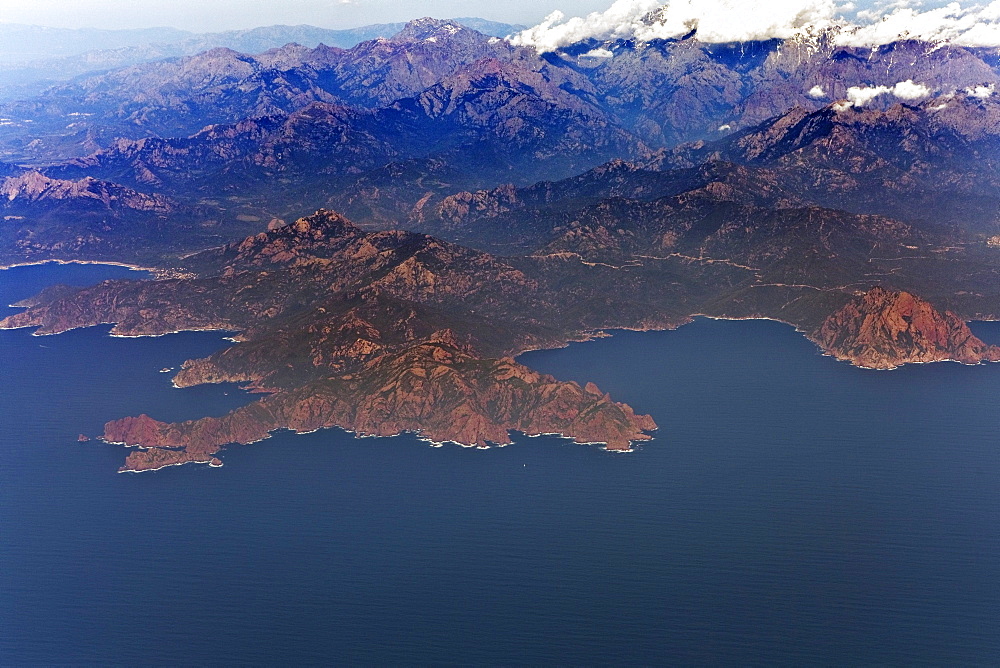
column 623, row 20
column 859, row 96
column 973, row 26
column 718, row 21
column 714, row 20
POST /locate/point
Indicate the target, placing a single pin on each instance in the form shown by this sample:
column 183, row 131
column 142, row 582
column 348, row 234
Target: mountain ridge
column 29, row 72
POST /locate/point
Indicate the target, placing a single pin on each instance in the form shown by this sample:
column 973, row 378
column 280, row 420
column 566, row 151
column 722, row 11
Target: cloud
column 620, row 21
column 598, row 53
column 982, row 92
column 978, row 25
column 907, row 90
column 859, row 96
column 738, row 20
column 816, row 93
column 716, row 21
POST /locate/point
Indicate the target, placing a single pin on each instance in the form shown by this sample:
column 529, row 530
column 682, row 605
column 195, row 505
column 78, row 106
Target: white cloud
column 907, row 90
column 715, row 21
column 622, row 20
column 982, row 92
column 598, row 53
column 859, row 96
column 978, row 25
column 738, row 20
column 816, row 93
column 747, row 20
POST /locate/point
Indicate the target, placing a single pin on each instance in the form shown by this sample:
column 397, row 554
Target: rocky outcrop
column 34, row 187
column 883, row 329
column 436, row 388
column 275, row 274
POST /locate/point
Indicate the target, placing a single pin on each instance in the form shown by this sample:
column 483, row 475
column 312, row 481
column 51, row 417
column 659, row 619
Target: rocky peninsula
column 381, row 333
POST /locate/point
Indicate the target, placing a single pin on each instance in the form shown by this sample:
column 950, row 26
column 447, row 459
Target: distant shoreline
column 157, row 272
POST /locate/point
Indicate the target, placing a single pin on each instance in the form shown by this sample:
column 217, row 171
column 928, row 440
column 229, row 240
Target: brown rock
column 153, row 459
column 882, row 329
column 435, row 388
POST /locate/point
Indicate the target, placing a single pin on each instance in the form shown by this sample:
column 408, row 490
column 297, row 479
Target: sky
column 216, row 15
column 717, row 20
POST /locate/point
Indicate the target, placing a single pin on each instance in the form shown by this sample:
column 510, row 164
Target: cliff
column 882, row 329
column 436, row 388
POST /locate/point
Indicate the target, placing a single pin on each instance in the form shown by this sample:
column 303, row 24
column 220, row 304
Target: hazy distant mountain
column 33, row 57
column 664, row 92
column 933, row 163
column 933, row 167
column 24, row 43
column 176, row 98
column 487, row 123
column 430, row 126
column 675, row 91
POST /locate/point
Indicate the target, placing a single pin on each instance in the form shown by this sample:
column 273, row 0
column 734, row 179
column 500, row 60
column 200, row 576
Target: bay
column 791, row 510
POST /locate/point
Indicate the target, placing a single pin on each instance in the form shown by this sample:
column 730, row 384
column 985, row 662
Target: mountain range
column 35, row 57
column 852, row 192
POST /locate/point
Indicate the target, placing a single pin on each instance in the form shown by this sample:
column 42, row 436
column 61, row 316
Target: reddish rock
column 141, row 430
column 882, row 329
column 153, row 459
column 436, row 388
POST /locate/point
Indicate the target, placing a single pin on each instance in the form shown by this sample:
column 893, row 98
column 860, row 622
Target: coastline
column 649, row 325
column 211, row 464
column 606, row 333
column 633, row 444
column 157, row 272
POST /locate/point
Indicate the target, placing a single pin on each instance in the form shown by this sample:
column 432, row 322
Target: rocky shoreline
column 382, row 333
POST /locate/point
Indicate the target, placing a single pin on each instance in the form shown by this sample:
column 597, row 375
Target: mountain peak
column 428, row 28
column 324, row 222
column 882, row 328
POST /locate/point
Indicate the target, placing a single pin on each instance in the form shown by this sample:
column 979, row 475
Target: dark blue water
column 793, row 510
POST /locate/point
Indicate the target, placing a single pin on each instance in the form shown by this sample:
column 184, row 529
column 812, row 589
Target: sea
column 791, row 510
